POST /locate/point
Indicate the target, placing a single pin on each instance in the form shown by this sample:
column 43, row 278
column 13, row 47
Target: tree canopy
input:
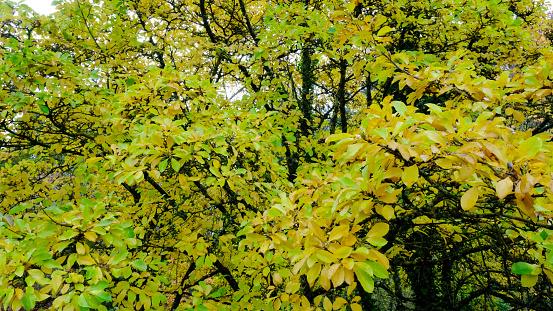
column 276, row 155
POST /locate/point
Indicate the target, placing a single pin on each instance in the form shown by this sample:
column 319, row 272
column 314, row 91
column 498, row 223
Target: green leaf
column 531, row 81
column 28, row 301
column 51, row 264
column 522, row 268
column 139, row 264
column 88, row 301
column 241, row 171
column 19, row 208
column 44, row 108
column 120, row 256
column 103, row 296
column 378, row 269
column 175, row 164
column 399, row 107
column 364, row 275
column 162, row 165
column 98, row 287
column 156, row 299
column 348, row 183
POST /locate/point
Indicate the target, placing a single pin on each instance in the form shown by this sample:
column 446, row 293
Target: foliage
column 290, row 155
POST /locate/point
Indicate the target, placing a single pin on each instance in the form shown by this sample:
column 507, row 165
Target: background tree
column 275, row 155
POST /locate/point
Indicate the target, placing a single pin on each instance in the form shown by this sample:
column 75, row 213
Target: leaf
column 469, row 199
column 519, row 116
column 9, row 220
column 120, row 256
column 28, row 301
column 327, row 304
column 364, row 275
column 255, row 237
column 399, row 107
column 51, row 264
column 384, row 30
column 156, row 299
column 529, row 280
column 348, row 183
column 317, row 231
column 529, row 147
column 163, row 165
column 175, row 164
column 387, row 212
column 410, row 175
column 339, row 136
column 139, row 264
column 19, row 208
column 342, row 252
column 91, row 236
column 88, row 301
column 44, row 109
column 80, row 249
column 98, row 287
column 326, row 256
column 504, row 187
column 338, row 232
column 378, row 269
column 378, row 230
column 313, row 273
column 523, row 268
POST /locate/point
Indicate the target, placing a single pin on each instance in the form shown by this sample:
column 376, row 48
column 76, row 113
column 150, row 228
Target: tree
column 275, row 155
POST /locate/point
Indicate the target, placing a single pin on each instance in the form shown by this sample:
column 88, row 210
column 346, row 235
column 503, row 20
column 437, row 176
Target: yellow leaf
column 378, row 230
column 332, row 270
column 393, row 172
column 323, row 280
column 466, row 171
column 384, row 30
column 526, row 183
column 549, row 274
column 338, row 277
column 342, row 252
column 410, row 175
column 86, row 260
column 529, row 280
column 504, row 187
column 390, row 197
column 349, row 240
column 315, row 229
column 338, row 232
column 379, row 257
column 80, row 249
column 327, row 304
column 387, row 212
column 326, row 256
column 255, row 237
column 435, row 137
column 348, row 263
column 91, row 236
column 313, row 273
column 338, row 303
column 468, row 200
column 519, row 116
column 276, row 304
column 356, row 307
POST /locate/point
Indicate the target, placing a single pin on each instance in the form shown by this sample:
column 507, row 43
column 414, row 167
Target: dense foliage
column 276, row 155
